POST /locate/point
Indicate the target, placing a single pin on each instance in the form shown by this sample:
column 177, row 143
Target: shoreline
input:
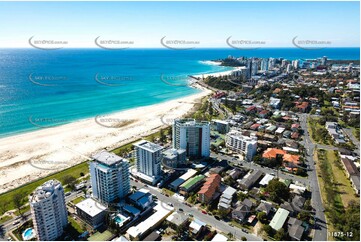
column 35, row 154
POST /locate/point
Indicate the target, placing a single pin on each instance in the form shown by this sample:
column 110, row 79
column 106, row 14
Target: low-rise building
column 225, row 201
column 142, row 229
column 295, row 230
column 177, row 219
column 240, row 213
column 179, row 181
column 279, row 219
column 221, row 126
column 91, row 212
column 142, row 198
column 174, row 157
column 191, row 184
column 249, row 180
column 210, row 188
column 196, row 226
column 264, row 207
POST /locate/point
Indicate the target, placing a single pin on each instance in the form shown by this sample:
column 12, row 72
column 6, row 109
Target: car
column 216, row 217
column 170, row 204
column 145, row 185
column 204, row 212
column 272, row 173
column 16, row 222
column 190, row 215
column 180, row 209
column 244, row 230
column 136, row 180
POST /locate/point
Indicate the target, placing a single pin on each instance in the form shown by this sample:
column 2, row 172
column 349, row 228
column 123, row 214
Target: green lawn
column 23, row 210
column 342, row 182
column 78, row 226
column 4, row 219
column 30, row 187
column 77, row 200
column 106, row 235
column 330, row 193
column 318, row 132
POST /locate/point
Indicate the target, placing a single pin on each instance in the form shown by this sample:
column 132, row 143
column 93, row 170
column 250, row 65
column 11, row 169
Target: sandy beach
column 33, row 155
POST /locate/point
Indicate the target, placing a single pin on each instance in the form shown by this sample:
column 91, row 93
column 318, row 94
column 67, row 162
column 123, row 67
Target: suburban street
column 251, row 165
column 209, row 219
column 320, row 226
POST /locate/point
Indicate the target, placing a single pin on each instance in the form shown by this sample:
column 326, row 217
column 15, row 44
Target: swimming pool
column 28, row 234
column 118, row 219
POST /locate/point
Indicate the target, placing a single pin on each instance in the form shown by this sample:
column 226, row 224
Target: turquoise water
column 28, row 234
column 118, row 219
column 47, row 88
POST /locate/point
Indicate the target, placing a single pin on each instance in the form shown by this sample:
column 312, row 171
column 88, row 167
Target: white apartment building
column 148, row 157
column 193, row 136
column 109, row 175
column 247, row 146
column 48, row 210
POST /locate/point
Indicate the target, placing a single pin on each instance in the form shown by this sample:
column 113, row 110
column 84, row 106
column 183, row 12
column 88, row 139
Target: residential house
column 279, row 219
column 264, row 207
column 240, row 213
column 295, row 229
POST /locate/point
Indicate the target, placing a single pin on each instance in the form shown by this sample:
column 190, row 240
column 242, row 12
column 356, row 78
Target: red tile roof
column 272, row 153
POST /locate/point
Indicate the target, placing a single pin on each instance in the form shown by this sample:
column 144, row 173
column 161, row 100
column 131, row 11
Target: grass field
column 77, row 200
column 23, row 210
column 4, row 219
column 26, row 189
column 318, row 132
column 106, row 235
column 343, row 183
column 76, row 225
column 329, row 186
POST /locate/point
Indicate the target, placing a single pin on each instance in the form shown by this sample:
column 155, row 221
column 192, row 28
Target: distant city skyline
column 206, row 24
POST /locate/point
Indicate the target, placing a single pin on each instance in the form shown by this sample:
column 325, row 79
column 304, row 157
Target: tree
column 304, row 216
column 243, row 238
column 70, row 181
column 269, row 230
column 163, row 137
column 277, row 191
column 280, row 234
column 3, row 207
column 307, row 205
column 262, row 217
column 18, row 200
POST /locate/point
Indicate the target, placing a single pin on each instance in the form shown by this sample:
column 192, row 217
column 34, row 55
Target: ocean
column 44, row 88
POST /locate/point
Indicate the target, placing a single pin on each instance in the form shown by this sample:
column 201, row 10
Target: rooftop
column 46, row 190
column 107, row 158
column 279, row 219
column 91, row 207
column 149, row 146
column 189, row 183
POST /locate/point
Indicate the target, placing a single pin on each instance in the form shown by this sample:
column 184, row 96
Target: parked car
column 204, row 212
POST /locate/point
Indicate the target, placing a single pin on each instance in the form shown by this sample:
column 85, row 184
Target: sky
column 207, row 23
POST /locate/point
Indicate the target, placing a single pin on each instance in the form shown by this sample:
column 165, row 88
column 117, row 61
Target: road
column 320, row 226
column 354, row 140
column 8, row 225
column 252, row 165
column 209, row 219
